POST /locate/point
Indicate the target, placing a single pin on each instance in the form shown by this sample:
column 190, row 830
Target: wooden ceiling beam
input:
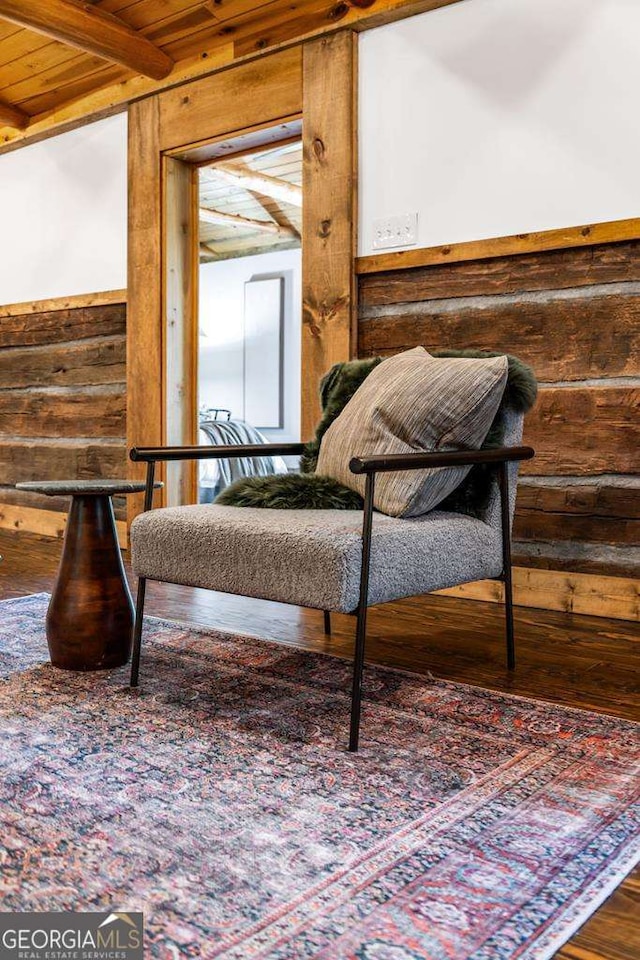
column 206, row 55
column 11, row 116
column 216, row 250
column 256, row 182
column 235, row 220
column 277, row 214
column 91, row 30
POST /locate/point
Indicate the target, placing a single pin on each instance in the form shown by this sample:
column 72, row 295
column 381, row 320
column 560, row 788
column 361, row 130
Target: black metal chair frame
column 499, row 458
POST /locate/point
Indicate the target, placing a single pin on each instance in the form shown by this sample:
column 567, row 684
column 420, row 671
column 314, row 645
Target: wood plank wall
column 574, row 315
column 62, row 400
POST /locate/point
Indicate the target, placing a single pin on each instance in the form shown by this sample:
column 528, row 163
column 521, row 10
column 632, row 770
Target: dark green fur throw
column 311, row 491
column 291, row 491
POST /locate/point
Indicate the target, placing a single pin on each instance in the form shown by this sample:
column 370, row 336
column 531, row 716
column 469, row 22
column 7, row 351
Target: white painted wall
column 496, row 117
column 222, row 323
column 488, row 117
column 63, row 214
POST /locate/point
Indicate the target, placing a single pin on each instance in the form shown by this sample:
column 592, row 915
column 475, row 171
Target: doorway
column 307, row 89
column 249, row 307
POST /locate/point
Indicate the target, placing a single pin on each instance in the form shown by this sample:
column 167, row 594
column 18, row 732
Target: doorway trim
column 315, row 80
column 329, row 213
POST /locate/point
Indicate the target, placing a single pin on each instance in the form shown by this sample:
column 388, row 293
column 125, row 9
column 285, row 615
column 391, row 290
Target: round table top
column 85, row 488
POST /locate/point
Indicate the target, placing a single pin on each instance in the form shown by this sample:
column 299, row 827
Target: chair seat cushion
column 311, row 557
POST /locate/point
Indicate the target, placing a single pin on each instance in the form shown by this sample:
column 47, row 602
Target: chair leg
column 361, row 627
column 508, row 612
column 327, row 622
column 137, row 633
column 506, row 565
column 358, row 670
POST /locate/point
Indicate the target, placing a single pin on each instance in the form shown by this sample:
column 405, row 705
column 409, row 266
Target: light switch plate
column 398, row 231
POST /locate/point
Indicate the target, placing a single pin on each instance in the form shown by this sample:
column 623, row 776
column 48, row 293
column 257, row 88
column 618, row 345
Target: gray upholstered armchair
column 332, row 560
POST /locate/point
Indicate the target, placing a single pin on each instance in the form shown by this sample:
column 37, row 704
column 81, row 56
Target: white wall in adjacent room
column 221, row 344
column 497, row 117
column 63, row 214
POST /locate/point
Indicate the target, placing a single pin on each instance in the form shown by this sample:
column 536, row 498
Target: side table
column 91, row 613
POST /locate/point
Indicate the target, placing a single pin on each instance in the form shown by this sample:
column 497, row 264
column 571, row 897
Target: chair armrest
column 454, row 458
column 153, row 454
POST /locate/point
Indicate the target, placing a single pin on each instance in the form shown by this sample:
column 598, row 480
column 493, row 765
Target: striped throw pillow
column 414, row 402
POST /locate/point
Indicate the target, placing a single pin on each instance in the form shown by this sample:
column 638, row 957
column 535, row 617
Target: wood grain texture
column 579, row 556
column 88, row 362
column 259, row 92
column 567, row 335
column 278, row 25
column 585, row 662
column 329, row 213
column 601, row 513
column 574, row 315
column 64, row 303
column 169, row 123
column 62, row 326
column 12, row 116
column 62, row 402
column 144, row 327
column 613, row 933
column 9, row 496
column 22, row 460
column 57, row 86
column 91, row 30
column 47, row 523
column 90, row 615
column 550, row 270
column 104, row 101
column 590, row 595
column 582, row 430
column 181, row 325
column 235, row 220
column 613, row 231
column 267, row 185
column 60, row 413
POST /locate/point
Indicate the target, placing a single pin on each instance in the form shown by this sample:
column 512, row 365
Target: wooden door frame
column 315, row 80
column 329, row 213
column 180, row 277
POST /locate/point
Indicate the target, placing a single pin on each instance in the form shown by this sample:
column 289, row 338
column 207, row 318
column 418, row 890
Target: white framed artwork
column 263, row 353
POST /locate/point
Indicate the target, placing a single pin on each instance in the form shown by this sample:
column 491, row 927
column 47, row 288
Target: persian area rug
column 220, row 800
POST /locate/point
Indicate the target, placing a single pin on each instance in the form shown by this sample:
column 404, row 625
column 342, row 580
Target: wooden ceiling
column 252, row 204
column 57, row 57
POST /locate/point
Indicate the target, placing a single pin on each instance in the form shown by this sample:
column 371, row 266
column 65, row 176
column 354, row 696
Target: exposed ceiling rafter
column 92, row 30
column 257, row 182
column 276, row 214
column 216, row 250
column 11, row 116
column 235, row 220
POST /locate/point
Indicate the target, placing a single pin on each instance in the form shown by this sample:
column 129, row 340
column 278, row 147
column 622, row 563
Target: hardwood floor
column 587, row 662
